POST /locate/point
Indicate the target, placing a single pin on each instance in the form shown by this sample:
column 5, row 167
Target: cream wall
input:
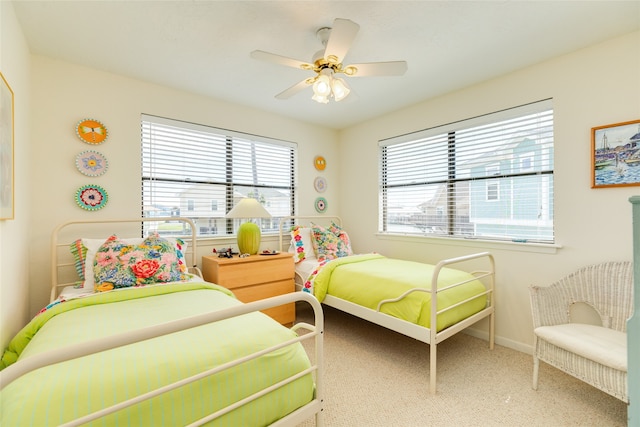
column 591, row 87
column 14, row 236
column 64, row 93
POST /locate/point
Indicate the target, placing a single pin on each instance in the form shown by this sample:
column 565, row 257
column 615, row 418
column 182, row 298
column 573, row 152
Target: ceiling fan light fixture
column 320, row 99
column 322, row 86
column 328, row 62
column 340, row 89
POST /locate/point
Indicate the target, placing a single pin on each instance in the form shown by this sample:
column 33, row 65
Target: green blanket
column 56, row 394
column 367, row 279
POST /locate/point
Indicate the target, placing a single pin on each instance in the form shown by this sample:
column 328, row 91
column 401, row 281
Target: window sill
column 542, row 248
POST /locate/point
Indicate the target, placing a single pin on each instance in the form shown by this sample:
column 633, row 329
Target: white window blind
column 489, row 177
column 201, row 172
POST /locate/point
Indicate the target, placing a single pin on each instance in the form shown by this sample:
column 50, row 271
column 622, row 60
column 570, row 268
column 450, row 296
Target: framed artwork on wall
column 615, row 154
column 6, row 150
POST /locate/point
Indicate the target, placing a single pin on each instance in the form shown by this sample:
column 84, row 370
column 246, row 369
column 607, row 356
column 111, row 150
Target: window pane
column 201, row 173
column 416, row 209
column 491, row 180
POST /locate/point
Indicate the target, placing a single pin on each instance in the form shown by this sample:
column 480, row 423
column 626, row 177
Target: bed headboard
column 63, row 271
column 289, row 221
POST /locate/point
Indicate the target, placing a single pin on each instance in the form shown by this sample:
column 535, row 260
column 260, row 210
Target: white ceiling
column 203, row 46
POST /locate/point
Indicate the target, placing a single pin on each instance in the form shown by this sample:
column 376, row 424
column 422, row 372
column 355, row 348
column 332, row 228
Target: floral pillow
column 301, row 243
column 339, row 231
column 328, row 244
column 84, row 252
column 121, row 265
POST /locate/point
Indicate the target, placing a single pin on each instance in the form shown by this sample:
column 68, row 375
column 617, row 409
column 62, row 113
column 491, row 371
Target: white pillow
column 302, row 243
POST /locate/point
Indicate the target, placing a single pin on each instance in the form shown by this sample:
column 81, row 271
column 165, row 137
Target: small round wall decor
column 91, row 163
column 91, row 197
column 321, row 204
column 91, row 131
column 320, row 184
column 320, row 163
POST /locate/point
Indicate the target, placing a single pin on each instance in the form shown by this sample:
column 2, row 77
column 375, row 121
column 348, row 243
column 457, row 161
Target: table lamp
column 248, row 232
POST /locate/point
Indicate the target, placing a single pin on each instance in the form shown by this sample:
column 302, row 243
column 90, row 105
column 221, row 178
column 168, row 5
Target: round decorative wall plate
column 91, row 131
column 91, row 163
column 320, row 163
column 320, row 184
column 321, row 204
column 91, row 197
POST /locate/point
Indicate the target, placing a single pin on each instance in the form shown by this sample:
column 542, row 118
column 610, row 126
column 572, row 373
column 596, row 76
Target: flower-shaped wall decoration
column 91, row 197
column 91, row 163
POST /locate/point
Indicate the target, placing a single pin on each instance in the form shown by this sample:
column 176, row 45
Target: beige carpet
column 375, row 377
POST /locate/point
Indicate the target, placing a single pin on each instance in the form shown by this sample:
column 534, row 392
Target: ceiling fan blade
column 391, row 68
column 298, row 87
column 282, row 60
column 342, row 35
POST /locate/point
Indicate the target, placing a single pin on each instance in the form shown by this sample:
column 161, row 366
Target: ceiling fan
column 327, row 63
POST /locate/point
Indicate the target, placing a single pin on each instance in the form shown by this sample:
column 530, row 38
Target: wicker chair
column 596, row 355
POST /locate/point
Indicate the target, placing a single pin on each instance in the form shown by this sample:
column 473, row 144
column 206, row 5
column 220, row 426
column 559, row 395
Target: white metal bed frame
column 56, row 246
column 314, row 332
column 427, row 335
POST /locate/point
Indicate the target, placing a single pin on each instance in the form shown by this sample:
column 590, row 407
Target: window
column 490, row 177
column 201, row 172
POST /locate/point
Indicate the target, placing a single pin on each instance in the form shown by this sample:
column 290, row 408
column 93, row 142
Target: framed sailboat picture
column 615, row 155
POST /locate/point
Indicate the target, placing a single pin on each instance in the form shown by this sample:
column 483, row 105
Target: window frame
column 511, row 181
column 230, row 188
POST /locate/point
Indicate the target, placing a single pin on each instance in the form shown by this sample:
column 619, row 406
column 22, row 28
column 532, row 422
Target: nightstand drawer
column 262, row 291
column 254, row 278
column 243, row 274
column 239, row 272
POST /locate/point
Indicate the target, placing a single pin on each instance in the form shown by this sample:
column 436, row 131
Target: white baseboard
column 505, row 342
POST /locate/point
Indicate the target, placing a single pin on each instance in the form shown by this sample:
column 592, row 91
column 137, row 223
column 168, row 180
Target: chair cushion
column 603, row 345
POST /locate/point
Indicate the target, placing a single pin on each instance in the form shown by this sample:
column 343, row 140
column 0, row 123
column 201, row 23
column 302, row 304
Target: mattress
column 370, row 278
column 58, row 393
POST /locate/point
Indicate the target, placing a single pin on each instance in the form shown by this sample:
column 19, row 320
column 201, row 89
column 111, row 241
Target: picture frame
column 7, row 208
column 615, row 155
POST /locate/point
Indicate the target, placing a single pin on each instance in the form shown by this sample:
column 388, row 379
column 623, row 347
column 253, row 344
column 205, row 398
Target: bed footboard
column 431, row 335
column 314, row 332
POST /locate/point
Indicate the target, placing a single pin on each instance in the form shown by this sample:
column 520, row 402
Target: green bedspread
column 369, row 278
column 58, row 393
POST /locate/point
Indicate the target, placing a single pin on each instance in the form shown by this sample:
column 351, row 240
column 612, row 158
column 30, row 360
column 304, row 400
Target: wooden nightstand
column 255, row 277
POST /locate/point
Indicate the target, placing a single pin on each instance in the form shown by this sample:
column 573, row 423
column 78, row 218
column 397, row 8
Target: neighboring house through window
column 201, row 172
column 489, row 177
column 493, row 185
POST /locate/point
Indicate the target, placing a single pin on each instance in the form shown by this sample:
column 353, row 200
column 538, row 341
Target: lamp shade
column 320, row 99
column 248, row 208
column 322, row 86
column 248, row 233
column 326, row 85
column 340, row 89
